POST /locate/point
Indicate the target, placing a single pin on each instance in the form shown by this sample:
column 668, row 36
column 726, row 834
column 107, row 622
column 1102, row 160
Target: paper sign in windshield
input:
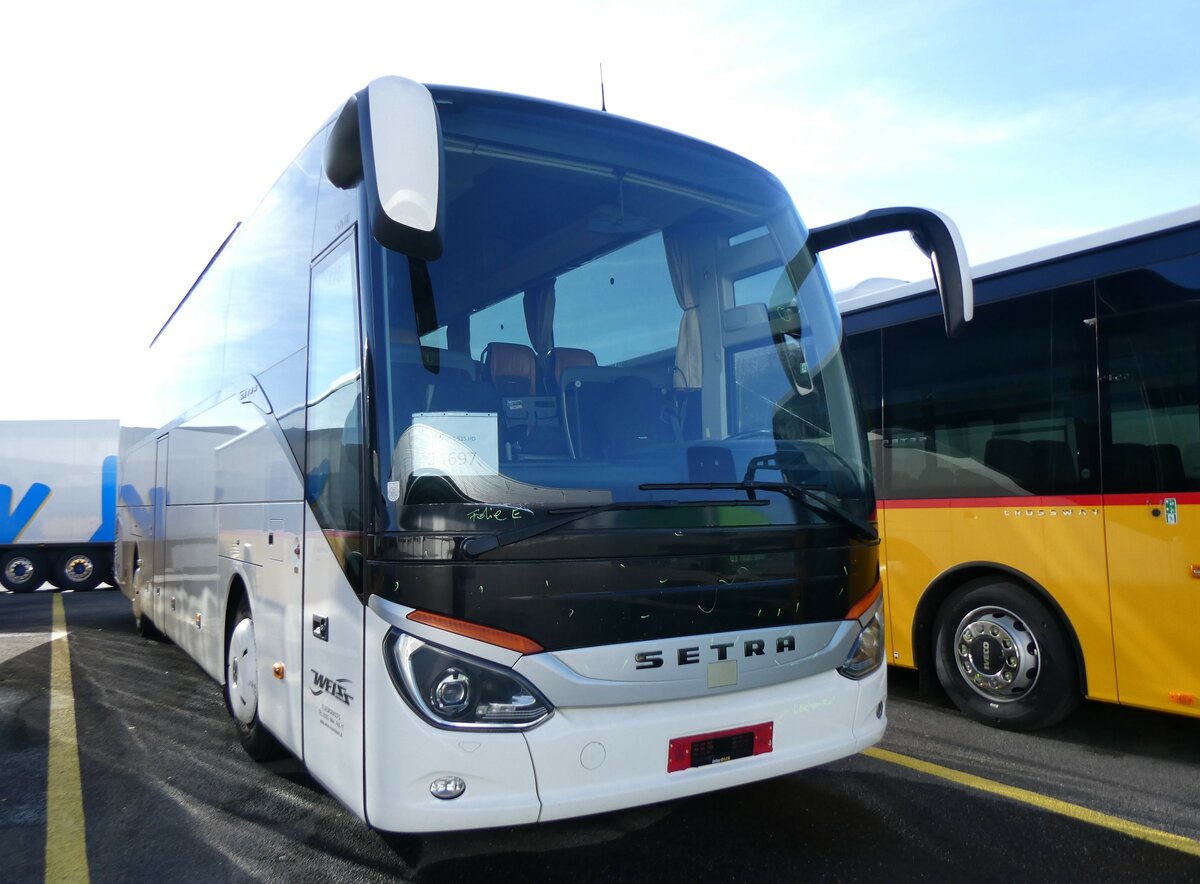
column 460, row 444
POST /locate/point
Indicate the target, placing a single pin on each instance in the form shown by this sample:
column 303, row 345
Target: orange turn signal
column 864, row 604
column 486, row 634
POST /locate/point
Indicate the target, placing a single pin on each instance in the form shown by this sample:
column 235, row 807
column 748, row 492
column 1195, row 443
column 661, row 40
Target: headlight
column 452, row 690
column 867, row 653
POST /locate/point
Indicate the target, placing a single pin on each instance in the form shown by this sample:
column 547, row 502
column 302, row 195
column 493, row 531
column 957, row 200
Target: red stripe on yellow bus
column 1093, row 500
column 999, row 502
column 1181, row 497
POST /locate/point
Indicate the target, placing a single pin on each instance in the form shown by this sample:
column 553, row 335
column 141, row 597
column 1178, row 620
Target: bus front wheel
column 143, row 624
column 141, row 620
column 241, row 687
column 1003, row 658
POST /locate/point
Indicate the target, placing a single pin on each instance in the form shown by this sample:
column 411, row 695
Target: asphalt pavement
column 168, row 795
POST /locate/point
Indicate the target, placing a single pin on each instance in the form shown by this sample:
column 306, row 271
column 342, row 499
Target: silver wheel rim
column 996, row 654
column 19, row 570
column 78, row 569
column 241, row 672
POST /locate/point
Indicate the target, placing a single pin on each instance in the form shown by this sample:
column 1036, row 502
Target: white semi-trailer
column 58, row 502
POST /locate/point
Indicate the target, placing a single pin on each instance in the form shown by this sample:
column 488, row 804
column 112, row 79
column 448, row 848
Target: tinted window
column 620, row 307
column 186, row 360
column 270, row 255
column 500, row 322
column 1008, row 409
column 1150, row 379
column 250, row 310
column 592, row 345
column 862, row 356
column 334, row 470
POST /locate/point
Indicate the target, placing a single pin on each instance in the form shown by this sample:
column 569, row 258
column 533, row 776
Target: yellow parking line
column 66, row 845
column 1043, row 802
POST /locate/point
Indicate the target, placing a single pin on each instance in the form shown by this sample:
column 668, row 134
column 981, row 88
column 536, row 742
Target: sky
column 138, row 134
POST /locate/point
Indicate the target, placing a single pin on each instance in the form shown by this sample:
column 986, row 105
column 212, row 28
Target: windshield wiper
column 805, row 494
column 478, row 544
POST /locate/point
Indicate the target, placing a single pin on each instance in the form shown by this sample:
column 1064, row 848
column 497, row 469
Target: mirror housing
column 934, row 234
column 389, row 138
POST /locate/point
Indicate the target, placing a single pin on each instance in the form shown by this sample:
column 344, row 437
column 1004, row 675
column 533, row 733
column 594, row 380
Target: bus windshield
column 633, row 318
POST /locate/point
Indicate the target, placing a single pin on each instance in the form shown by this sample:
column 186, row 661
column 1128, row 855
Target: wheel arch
column 255, row 736
column 233, row 598
column 130, row 588
column 952, row 579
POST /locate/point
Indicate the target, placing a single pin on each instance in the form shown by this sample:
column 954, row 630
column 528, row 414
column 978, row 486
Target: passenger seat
column 637, row 415
column 511, row 368
column 559, row 359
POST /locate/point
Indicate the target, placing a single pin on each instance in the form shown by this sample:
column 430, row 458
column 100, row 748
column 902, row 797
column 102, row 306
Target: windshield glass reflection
column 642, row 311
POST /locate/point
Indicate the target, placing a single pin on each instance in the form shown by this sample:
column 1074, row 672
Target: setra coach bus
column 504, row 467
column 1039, row 477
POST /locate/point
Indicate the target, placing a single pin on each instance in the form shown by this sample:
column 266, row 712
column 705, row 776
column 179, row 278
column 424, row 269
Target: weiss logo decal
column 323, row 684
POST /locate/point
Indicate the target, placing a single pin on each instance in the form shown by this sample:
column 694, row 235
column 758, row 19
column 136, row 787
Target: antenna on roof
column 602, row 105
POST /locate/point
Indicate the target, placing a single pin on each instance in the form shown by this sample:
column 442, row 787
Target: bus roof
column 874, row 292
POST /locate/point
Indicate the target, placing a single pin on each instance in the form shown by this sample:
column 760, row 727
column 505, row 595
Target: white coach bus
column 503, row 467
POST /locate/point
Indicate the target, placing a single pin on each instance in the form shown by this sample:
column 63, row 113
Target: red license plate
column 702, row 750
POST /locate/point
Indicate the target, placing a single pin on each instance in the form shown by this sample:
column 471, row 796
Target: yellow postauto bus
column 1038, row 478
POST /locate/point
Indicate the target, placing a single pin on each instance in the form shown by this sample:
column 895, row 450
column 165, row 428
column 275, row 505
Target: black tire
column 141, row 620
column 1017, row 670
column 22, row 570
column 79, row 569
column 241, row 690
column 145, row 626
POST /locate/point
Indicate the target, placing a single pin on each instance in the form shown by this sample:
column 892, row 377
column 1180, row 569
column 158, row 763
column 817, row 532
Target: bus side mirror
column 934, row 234
column 388, row 137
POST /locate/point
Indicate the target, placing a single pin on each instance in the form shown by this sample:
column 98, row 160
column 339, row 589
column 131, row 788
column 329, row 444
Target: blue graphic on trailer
column 107, row 532
column 13, row 522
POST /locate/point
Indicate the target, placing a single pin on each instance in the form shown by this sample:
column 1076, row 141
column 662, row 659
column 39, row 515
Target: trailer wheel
column 22, row 570
column 241, row 687
column 1003, row 658
column 78, row 569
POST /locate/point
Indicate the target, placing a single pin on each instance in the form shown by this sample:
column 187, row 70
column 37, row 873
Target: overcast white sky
column 137, row 134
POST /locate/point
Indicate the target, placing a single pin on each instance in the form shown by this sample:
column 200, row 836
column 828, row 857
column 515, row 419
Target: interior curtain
column 539, row 316
column 458, row 336
column 688, row 358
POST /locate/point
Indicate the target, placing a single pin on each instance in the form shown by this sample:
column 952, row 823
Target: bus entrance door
column 1151, row 383
column 156, row 602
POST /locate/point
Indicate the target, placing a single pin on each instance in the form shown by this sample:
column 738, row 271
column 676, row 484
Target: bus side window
column 334, row 468
column 1150, row 378
column 1008, row 409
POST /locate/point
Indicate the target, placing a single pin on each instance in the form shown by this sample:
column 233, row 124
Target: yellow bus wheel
column 1003, row 658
